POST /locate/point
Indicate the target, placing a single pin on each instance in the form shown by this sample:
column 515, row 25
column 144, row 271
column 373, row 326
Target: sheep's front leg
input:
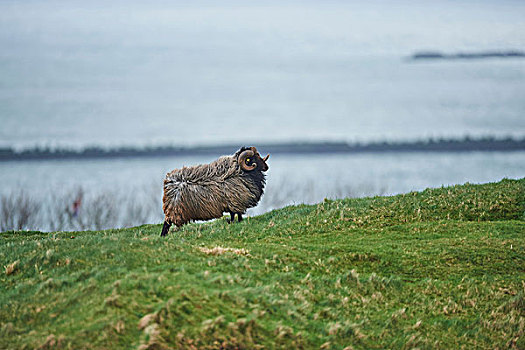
column 165, row 228
column 239, row 216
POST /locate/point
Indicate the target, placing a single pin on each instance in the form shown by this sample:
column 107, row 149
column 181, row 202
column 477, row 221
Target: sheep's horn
column 242, row 160
column 266, row 158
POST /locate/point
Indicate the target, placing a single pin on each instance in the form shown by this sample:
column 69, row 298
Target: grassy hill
column 443, row 268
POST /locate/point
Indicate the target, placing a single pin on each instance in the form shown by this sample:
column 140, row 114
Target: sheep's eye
column 247, row 160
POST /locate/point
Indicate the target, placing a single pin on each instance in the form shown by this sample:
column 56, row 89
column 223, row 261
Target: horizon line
column 442, row 145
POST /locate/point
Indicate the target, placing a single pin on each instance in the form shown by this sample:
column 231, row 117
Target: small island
column 435, row 55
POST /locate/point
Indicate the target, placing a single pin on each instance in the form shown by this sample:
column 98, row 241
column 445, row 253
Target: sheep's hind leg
column 165, row 229
column 232, row 217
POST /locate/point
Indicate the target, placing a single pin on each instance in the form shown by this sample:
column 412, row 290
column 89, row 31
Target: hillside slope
column 440, row 268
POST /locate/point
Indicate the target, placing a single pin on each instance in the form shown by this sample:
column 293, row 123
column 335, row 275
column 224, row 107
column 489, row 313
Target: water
column 77, row 74
column 291, row 179
column 189, row 73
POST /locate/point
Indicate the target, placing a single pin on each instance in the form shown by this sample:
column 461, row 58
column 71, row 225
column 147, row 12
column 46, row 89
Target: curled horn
column 242, row 160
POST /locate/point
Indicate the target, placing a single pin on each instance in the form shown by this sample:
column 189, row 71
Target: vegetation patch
column 442, row 268
column 220, row 250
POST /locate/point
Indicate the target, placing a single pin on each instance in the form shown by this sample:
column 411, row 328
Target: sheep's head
column 249, row 159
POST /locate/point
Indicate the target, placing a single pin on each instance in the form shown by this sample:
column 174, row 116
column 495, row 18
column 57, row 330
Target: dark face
column 261, row 163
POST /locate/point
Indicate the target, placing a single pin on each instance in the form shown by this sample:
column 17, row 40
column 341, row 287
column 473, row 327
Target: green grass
column 443, row 268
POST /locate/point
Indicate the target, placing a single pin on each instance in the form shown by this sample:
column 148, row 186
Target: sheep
column 203, row 192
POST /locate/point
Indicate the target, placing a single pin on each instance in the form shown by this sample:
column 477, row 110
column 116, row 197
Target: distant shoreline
column 467, row 144
column 434, row 55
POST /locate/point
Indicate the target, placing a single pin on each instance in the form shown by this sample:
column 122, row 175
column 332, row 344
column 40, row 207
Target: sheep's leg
column 232, row 217
column 165, row 229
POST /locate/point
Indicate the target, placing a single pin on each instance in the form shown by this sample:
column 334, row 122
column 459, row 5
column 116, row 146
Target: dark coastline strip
column 431, row 55
column 443, row 146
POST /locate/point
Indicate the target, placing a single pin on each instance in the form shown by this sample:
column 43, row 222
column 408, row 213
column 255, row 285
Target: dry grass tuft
column 146, row 320
column 221, row 250
column 52, row 342
column 9, row 269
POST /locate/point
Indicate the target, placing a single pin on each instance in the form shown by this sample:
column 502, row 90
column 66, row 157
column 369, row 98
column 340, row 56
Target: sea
column 137, row 74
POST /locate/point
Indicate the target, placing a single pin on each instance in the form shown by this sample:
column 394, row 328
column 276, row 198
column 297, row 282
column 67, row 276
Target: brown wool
column 206, row 191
